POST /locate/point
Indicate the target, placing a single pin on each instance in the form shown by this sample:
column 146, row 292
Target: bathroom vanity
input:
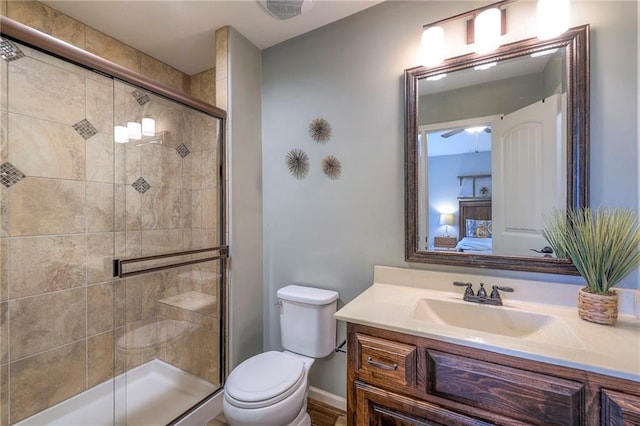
column 418, row 354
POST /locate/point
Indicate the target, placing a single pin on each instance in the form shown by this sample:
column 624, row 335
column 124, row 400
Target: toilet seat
column 264, row 380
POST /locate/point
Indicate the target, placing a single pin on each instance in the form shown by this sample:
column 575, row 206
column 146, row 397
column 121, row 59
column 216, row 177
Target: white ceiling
column 460, row 143
column 181, row 33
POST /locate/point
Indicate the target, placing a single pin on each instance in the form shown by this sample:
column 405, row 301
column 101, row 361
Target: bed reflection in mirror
column 492, row 152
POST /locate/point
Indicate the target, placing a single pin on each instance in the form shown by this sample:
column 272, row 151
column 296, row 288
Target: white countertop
column 390, row 303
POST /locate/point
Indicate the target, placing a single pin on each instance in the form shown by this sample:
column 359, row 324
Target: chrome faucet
column 481, row 296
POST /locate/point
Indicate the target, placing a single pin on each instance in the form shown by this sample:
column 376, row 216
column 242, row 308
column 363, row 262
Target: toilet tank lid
column 310, row 295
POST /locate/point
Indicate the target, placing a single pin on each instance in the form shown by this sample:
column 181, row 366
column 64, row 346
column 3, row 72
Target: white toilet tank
column 307, row 326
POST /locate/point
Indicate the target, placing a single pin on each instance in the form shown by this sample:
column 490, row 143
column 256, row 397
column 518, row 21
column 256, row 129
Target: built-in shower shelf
column 193, row 301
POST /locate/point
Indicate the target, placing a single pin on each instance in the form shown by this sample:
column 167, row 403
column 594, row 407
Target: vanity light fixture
column 553, row 18
column 487, row 30
column 485, row 26
column 433, row 50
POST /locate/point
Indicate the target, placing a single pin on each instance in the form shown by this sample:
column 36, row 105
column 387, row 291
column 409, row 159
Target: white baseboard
column 328, row 398
column 213, row 407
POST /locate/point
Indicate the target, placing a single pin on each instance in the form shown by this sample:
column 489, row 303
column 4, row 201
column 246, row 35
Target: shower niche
column 112, row 273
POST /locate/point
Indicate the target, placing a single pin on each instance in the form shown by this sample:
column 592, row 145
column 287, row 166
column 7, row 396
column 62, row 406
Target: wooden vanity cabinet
column 400, row 379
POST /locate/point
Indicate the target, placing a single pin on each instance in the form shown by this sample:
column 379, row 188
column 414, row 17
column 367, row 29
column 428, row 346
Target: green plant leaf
column 603, row 245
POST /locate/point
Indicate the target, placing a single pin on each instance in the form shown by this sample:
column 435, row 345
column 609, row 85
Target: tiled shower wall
column 74, row 202
column 50, row 21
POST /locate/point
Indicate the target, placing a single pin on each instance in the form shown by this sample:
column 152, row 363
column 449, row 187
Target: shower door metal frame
column 24, row 34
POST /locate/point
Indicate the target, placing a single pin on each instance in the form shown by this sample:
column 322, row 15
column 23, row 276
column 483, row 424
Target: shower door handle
column 118, row 270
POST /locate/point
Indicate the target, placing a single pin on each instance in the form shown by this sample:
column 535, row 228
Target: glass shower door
column 167, row 213
column 57, row 241
column 111, row 270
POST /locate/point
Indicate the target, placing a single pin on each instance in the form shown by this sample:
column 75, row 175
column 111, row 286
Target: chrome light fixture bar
column 488, row 23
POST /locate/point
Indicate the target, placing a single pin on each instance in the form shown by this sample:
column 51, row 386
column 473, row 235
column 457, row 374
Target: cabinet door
column 619, row 409
column 377, row 407
column 533, row 398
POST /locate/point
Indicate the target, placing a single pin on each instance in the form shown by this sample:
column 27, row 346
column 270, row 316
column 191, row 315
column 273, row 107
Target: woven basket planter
column 598, row 308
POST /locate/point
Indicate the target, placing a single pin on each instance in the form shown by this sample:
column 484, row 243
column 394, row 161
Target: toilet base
column 302, row 419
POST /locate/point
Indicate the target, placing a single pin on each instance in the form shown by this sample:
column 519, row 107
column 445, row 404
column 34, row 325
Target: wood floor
column 321, row 415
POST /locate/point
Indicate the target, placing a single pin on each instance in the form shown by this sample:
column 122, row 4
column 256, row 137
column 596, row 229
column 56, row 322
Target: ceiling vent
column 286, row 9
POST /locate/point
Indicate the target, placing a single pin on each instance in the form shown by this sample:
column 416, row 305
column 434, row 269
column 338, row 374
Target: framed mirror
column 491, row 148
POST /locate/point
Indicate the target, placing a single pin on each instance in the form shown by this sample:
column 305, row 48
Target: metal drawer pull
column 380, row 365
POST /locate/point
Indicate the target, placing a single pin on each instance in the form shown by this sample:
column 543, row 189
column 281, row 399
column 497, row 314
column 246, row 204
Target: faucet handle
column 468, row 291
column 496, row 295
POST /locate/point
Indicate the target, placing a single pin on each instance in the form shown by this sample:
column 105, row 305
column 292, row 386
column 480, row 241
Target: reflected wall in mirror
column 498, row 143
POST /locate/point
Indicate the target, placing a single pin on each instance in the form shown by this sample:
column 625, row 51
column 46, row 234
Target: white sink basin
column 499, row 320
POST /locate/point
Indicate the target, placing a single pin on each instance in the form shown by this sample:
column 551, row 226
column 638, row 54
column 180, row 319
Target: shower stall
column 112, row 245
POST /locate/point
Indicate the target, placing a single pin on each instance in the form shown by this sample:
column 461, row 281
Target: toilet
column 270, row 389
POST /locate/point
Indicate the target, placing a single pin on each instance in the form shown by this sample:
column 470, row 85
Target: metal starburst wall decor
column 331, row 167
column 298, row 162
column 320, row 130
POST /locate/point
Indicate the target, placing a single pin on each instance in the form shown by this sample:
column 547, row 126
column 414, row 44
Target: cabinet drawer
column 523, row 395
column 620, row 409
column 385, row 361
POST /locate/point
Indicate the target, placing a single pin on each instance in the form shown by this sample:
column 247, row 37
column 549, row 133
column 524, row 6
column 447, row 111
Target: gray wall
column 444, row 186
column 245, row 145
column 332, row 233
column 495, row 98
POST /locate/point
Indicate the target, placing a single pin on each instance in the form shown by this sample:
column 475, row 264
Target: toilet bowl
column 270, row 389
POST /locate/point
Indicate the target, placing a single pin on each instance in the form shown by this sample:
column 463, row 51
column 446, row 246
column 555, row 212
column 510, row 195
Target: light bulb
column 134, row 130
column 148, row 127
column 120, row 134
column 487, row 26
column 433, row 46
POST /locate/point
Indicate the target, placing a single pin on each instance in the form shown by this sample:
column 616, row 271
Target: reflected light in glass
column 134, row 130
column 487, row 31
column 121, row 134
column 148, row 127
column 477, row 129
column 553, row 18
column 436, row 77
column 433, row 46
column 485, row 66
column 544, row 53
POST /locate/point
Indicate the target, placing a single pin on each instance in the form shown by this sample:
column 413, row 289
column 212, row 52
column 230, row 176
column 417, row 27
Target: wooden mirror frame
column 576, row 41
